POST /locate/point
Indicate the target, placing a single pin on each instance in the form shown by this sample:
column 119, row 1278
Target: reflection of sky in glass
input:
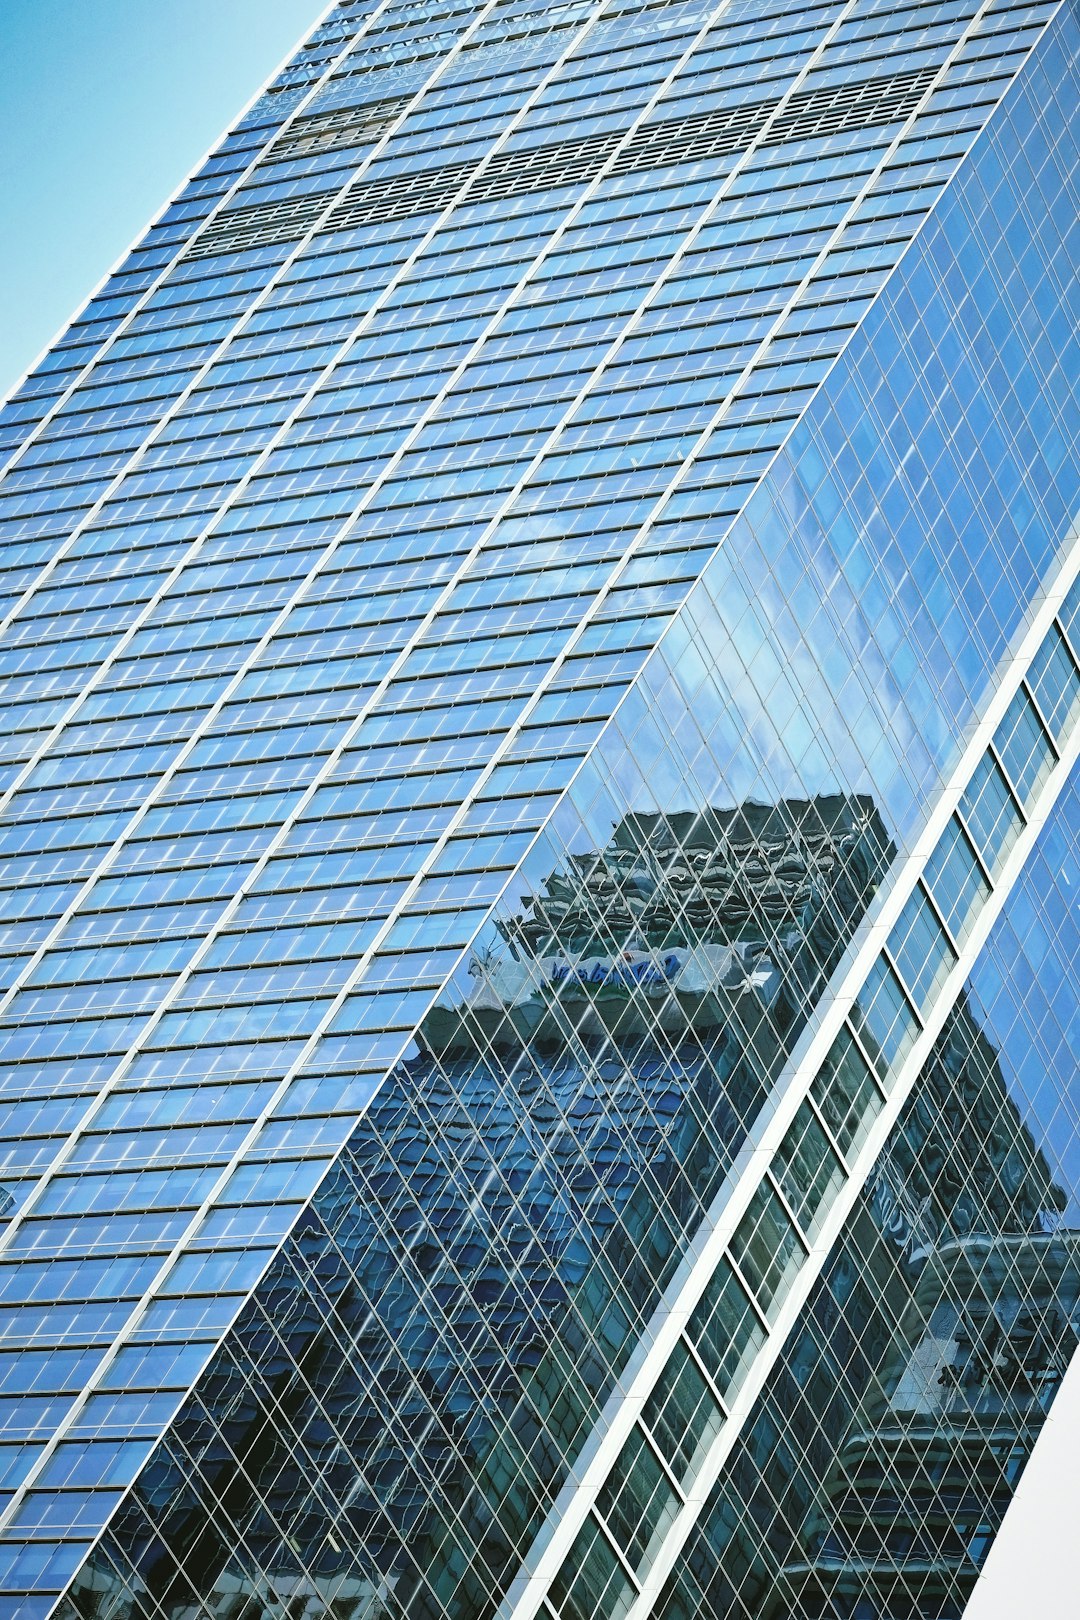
column 1025, row 988
column 416, row 593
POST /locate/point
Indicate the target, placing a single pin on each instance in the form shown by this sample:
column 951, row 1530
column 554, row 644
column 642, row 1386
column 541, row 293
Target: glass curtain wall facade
column 541, row 668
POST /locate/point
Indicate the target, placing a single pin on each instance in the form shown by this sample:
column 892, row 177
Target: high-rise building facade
column 541, row 667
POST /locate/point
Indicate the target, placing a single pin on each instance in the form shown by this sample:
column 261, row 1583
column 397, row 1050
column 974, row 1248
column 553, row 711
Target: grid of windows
column 830, row 1109
column 941, row 1326
column 493, row 587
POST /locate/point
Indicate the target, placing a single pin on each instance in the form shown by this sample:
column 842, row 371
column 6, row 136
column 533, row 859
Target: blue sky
column 104, row 107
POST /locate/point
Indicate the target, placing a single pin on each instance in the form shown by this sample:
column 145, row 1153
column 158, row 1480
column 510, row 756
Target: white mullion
column 712, row 1241
column 310, row 1045
column 833, row 1224
column 115, row 484
column 183, row 246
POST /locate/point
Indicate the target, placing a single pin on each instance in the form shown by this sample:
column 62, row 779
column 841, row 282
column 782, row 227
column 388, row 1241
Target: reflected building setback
column 950, row 1314
column 709, row 920
column 536, row 1171
column 916, row 1499
column 539, row 994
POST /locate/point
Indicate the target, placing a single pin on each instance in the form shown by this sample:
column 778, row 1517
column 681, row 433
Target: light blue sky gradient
column 104, row 107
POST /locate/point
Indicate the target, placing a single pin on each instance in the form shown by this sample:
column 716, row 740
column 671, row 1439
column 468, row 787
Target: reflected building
column 541, row 655
column 610, row 1090
column 917, row 1497
column 969, row 1290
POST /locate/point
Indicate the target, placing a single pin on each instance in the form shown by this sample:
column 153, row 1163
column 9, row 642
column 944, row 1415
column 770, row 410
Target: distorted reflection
column 894, row 1429
column 391, row 1418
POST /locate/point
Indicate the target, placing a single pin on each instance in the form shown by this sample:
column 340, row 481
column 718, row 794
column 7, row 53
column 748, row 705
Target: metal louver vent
column 851, row 106
column 285, row 221
column 331, row 131
column 658, row 145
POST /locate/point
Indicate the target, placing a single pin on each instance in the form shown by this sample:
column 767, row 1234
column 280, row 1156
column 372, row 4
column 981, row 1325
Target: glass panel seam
column 794, row 1083
column 832, row 1221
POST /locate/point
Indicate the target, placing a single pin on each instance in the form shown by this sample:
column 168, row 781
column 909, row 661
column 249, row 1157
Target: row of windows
column 1059, row 658
column 770, row 1245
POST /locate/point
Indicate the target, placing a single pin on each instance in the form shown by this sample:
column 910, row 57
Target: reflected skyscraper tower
column 541, row 660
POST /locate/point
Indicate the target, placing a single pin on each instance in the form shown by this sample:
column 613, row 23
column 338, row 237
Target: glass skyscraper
column 541, row 669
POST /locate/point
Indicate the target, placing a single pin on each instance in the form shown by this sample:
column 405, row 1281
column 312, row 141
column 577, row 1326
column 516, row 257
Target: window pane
column 990, row 814
column 681, row 1412
column 725, row 1330
column 807, row 1169
column 1070, row 617
column 886, row 1022
column 920, row 950
column 637, row 1500
column 1024, row 748
column 955, row 881
column 766, row 1250
column 844, row 1091
column 1056, row 685
column 591, row 1584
